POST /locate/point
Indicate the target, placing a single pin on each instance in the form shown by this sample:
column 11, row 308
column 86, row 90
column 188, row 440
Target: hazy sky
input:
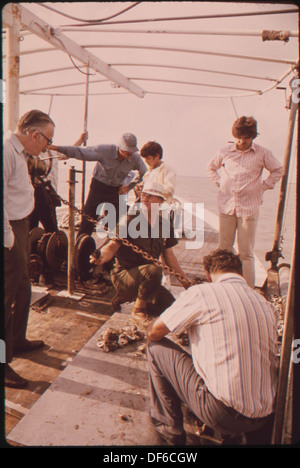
column 190, row 129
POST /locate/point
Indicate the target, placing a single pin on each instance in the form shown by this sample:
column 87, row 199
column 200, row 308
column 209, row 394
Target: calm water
column 201, row 190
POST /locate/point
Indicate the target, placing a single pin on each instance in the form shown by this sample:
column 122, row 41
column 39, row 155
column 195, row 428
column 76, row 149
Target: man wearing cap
column 134, row 276
column 114, row 162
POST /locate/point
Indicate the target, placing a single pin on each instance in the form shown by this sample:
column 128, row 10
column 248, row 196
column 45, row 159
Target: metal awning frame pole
column 50, row 104
column 85, row 127
column 275, row 254
column 59, row 41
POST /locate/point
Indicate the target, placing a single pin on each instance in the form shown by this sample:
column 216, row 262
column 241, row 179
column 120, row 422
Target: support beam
column 61, row 42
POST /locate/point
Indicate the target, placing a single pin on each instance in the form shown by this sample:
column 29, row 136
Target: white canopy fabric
column 163, row 66
column 215, row 54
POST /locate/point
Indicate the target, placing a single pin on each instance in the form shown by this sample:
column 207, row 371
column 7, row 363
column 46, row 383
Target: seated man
column 229, row 381
column 134, row 276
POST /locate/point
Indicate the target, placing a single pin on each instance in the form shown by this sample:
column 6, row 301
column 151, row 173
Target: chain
column 135, row 248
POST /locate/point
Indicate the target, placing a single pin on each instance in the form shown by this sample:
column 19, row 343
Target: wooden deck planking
column 70, row 330
column 98, row 399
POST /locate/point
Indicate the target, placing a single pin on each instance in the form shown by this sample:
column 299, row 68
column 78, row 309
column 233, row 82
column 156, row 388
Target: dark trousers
column 143, row 282
column 98, row 193
column 17, row 288
column 44, row 211
column 173, row 380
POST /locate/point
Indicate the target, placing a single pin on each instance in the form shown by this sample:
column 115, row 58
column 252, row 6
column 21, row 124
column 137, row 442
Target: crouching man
column 135, row 277
column 229, row 381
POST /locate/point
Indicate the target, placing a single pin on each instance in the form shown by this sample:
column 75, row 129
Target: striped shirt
column 233, row 336
column 240, row 181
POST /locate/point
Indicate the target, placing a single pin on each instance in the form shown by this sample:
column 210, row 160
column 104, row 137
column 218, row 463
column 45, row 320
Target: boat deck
column 77, row 393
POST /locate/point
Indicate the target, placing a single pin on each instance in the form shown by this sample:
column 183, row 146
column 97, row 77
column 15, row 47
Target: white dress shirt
column 233, row 336
column 18, row 190
column 164, row 175
column 238, row 174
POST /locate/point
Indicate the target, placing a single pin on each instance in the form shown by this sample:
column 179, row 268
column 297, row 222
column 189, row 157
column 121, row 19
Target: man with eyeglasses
column 32, row 136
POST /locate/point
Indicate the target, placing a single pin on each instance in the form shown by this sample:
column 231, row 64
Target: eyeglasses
column 49, row 142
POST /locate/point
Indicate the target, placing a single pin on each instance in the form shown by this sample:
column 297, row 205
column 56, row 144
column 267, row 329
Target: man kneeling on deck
column 229, row 380
column 134, row 276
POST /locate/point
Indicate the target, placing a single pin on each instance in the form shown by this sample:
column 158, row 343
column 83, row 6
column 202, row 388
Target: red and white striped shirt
column 233, row 336
column 240, row 177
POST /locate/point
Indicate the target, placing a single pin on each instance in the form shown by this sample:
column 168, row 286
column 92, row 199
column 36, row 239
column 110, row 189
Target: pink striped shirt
column 238, row 174
column 233, row 336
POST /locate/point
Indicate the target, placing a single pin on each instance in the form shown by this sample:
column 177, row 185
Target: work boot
column 117, row 301
column 139, row 314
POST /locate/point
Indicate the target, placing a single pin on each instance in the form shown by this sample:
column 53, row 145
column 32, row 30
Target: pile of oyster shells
column 112, row 339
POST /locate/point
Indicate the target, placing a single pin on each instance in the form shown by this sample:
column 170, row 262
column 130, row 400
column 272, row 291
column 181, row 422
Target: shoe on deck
column 12, row 379
column 28, row 346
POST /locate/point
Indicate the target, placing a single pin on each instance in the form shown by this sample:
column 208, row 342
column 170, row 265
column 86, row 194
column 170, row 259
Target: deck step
column 99, row 399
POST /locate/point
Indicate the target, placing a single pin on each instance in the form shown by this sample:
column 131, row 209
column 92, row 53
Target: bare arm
column 157, row 330
column 173, row 263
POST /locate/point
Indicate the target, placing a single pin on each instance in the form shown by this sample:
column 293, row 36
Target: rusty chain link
column 136, row 249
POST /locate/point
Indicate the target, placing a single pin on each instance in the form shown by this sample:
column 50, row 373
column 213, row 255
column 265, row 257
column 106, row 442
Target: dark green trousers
column 143, row 282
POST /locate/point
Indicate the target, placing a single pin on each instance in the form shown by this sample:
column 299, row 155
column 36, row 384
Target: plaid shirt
column 233, row 336
column 238, row 174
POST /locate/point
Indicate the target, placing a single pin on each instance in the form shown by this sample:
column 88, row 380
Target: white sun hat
column 154, row 188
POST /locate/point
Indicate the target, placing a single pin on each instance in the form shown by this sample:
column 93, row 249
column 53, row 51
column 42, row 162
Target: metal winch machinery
column 48, row 252
column 57, row 252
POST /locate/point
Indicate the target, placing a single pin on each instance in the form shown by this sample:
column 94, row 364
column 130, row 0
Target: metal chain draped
column 137, row 249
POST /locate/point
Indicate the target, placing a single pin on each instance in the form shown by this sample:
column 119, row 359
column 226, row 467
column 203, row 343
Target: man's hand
column 82, row 139
column 124, row 189
column 156, row 330
column 105, row 254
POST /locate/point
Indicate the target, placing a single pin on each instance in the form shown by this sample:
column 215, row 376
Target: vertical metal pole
column 233, row 105
column 71, row 234
column 50, row 105
column 284, row 180
column 13, row 70
column 85, row 129
column 285, row 360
